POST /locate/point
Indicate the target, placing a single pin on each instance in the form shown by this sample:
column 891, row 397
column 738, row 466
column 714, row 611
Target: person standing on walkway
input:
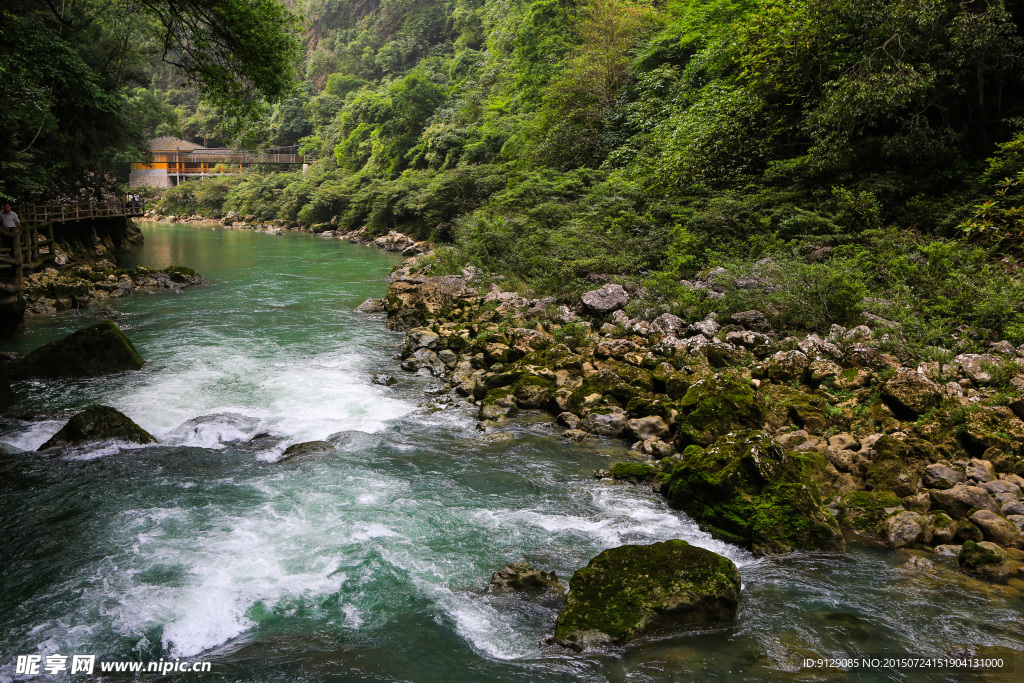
column 8, row 218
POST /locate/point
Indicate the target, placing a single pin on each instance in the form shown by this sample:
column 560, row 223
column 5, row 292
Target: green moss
column 713, row 407
column 644, row 407
column 748, row 489
column 627, row 591
column 975, row 555
column 864, row 511
column 632, row 471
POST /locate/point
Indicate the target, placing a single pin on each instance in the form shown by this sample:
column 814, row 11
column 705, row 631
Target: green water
column 370, row 563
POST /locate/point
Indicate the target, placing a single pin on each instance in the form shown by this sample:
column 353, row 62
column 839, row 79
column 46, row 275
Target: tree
column 68, row 73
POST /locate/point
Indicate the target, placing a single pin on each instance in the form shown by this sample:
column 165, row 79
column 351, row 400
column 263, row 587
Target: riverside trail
column 371, row 561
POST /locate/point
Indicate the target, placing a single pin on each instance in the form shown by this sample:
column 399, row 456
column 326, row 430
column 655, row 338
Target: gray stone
column 910, row 393
column 569, row 420
column 605, row 300
column 644, row 428
column 523, row 576
column 384, row 380
column 423, row 339
column 1001, row 486
column 981, row 471
column 306, row 448
column 608, row 424
column 370, row 306
column 904, row 529
column 669, row 324
column 752, row 320
column 709, row 328
column 939, row 476
column 995, row 528
column 976, row 366
column 958, row 501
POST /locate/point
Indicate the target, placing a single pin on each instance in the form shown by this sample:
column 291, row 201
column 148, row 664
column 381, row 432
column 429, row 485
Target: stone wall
column 151, row 177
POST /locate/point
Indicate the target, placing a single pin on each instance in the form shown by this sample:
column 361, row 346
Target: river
column 370, row 562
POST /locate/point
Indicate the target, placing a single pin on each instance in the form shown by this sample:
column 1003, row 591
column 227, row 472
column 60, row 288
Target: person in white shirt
column 8, row 218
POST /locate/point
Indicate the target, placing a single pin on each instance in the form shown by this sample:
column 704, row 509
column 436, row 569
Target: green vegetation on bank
column 833, row 157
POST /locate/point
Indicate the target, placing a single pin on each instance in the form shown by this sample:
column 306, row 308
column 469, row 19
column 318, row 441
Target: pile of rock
column 51, row 290
column 840, row 431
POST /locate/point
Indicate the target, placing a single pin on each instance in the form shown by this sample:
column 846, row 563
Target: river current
column 370, row 563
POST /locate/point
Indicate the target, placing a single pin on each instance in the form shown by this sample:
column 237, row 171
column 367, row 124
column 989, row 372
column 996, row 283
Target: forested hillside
column 836, row 157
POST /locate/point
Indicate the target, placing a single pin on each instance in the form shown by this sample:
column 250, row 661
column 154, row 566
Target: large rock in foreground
column 98, row 350
column 628, row 591
column 747, row 488
column 98, row 423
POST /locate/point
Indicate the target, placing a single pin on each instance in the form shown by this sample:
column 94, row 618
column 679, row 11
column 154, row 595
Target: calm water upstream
column 370, row 563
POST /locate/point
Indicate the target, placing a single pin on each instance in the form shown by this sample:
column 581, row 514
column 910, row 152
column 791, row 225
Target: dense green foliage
column 849, row 156
column 72, row 77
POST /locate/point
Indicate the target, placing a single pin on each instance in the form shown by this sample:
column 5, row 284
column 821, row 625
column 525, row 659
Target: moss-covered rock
column 785, row 405
column 991, row 427
column 98, row 423
column 864, row 512
column 98, row 350
column 898, row 464
column 632, row 471
column 628, row 591
column 987, row 561
column 748, row 489
column 533, row 392
column 715, row 406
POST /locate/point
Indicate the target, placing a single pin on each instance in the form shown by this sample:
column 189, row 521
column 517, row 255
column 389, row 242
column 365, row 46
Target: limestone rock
column 306, row 448
column 904, row 529
column 939, row 476
column 995, row 528
column 98, row 423
column 605, row 300
column 644, row 428
column 752, row 320
column 958, row 501
column 631, row 590
column 987, row 561
column 98, row 350
column 910, row 393
column 611, row 423
column 748, row 489
column 523, row 576
column 370, row 306
column 713, row 407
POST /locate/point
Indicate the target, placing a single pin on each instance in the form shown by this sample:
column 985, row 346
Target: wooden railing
column 32, row 246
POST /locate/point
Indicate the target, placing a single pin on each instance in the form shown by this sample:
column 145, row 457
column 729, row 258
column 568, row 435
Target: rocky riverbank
column 90, row 285
column 771, row 441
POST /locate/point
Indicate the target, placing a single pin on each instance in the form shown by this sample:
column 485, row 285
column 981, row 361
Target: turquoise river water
column 370, row 563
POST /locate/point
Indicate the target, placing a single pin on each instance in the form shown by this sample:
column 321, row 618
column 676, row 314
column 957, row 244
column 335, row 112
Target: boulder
column 523, row 576
column 752, row 320
column 629, row 591
column 370, row 306
column 865, row 512
column 748, row 489
column 996, row 529
column 713, row 407
column 306, row 448
column 904, row 529
column 992, row 427
column 987, row 561
column 898, row 462
column 959, row 501
column 644, row 428
column 909, row 393
column 605, row 300
column 410, row 302
column 610, row 423
column 785, row 366
column 939, row 476
column 384, row 380
column 98, row 423
column 98, row 350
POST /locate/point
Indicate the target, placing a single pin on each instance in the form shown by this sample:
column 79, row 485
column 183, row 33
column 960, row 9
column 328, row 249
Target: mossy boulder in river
column 715, row 406
column 628, row 591
column 98, row 423
column 748, row 489
column 98, row 350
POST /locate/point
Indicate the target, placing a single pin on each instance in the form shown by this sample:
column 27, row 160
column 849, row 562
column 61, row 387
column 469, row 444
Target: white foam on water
column 33, row 435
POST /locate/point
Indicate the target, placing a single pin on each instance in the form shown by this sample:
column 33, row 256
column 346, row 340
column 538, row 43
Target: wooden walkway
column 31, row 247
